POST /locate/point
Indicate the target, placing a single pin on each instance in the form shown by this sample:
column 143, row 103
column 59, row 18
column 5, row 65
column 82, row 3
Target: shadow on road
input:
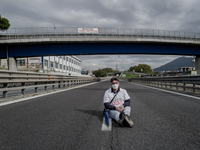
column 97, row 113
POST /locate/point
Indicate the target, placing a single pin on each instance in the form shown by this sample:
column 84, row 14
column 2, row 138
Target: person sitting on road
column 119, row 109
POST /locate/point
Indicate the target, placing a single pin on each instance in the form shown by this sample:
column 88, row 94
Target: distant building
column 65, row 64
column 3, row 63
column 184, row 69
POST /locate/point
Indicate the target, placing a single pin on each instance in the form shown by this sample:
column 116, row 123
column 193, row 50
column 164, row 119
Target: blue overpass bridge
column 30, row 42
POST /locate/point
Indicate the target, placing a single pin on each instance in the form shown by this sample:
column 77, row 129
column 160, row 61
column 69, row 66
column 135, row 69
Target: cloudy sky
column 179, row 15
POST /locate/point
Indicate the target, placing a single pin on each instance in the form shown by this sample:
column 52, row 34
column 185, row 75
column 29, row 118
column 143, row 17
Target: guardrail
column 184, row 83
column 72, row 32
column 24, row 80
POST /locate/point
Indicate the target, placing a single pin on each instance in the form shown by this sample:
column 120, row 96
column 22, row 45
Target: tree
column 4, row 24
column 102, row 72
column 132, row 68
column 144, row 68
column 108, row 69
column 99, row 73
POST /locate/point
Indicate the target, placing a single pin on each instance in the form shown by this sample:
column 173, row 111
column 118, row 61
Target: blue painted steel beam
column 30, row 50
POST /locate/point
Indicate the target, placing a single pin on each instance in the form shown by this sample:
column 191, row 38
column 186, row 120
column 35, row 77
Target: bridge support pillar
column 197, row 64
column 12, row 64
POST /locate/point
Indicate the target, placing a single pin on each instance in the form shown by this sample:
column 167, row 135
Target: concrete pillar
column 197, row 64
column 49, row 64
column 66, row 64
column 42, row 58
column 59, row 63
column 54, row 63
column 12, row 64
column 62, row 63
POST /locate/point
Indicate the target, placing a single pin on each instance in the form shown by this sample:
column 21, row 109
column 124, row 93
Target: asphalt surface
column 73, row 119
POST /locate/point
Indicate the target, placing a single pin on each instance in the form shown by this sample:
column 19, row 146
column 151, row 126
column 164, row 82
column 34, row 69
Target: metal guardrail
column 176, row 82
column 72, row 32
column 23, row 80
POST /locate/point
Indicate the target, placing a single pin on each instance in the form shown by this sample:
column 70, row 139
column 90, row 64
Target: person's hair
column 111, row 80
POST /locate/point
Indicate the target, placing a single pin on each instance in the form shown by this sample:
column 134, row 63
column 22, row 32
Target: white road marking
column 28, row 98
column 167, row 91
column 104, row 125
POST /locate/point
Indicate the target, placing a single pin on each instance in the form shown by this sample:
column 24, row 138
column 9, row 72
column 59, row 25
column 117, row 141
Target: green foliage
column 143, row 68
column 108, row 69
column 4, row 23
column 99, row 73
column 102, row 72
column 130, row 75
column 132, row 68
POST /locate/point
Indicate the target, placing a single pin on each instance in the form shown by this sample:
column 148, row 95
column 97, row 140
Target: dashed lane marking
column 105, row 127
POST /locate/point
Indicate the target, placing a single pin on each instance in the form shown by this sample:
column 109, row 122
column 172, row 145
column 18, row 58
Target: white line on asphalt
column 28, row 98
column 167, row 91
column 105, row 127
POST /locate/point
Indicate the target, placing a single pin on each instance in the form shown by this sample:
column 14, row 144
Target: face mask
column 115, row 86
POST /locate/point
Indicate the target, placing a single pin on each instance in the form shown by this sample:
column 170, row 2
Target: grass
column 130, row 75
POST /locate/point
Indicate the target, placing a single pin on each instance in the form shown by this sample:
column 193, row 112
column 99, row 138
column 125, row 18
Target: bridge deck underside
column 47, row 49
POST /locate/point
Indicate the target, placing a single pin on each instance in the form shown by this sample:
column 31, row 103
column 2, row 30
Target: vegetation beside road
column 130, row 75
column 141, row 68
column 103, row 72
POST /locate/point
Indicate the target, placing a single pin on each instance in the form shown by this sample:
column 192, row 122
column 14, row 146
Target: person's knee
column 117, row 116
column 127, row 110
column 114, row 114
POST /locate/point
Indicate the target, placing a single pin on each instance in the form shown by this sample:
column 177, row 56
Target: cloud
column 147, row 14
column 124, row 62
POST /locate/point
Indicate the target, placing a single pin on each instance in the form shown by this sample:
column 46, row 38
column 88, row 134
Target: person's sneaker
column 128, row 121
column 121, row 119
column 119, row 122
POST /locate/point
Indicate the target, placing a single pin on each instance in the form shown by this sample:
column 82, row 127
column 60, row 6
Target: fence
column 24, row 80
column 184, row 83
column 72, row 32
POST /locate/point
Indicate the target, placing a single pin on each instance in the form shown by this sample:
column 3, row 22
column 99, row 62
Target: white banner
column 88, row 30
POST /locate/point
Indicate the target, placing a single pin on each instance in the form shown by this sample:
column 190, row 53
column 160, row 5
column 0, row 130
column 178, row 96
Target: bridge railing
column 183, row 83
column 25, row 80
column 70, row 32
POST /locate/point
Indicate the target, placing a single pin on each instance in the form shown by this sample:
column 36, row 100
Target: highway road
column 73, row 119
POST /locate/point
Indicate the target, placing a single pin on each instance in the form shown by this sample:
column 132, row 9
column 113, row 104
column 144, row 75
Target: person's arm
column 108, row 106
column 126, row 103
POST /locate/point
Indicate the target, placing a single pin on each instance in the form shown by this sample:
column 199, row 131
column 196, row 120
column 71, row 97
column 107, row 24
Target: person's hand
column 120, row 108
column 117, row 108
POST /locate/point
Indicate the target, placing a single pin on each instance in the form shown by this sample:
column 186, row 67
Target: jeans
column 114, row 114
